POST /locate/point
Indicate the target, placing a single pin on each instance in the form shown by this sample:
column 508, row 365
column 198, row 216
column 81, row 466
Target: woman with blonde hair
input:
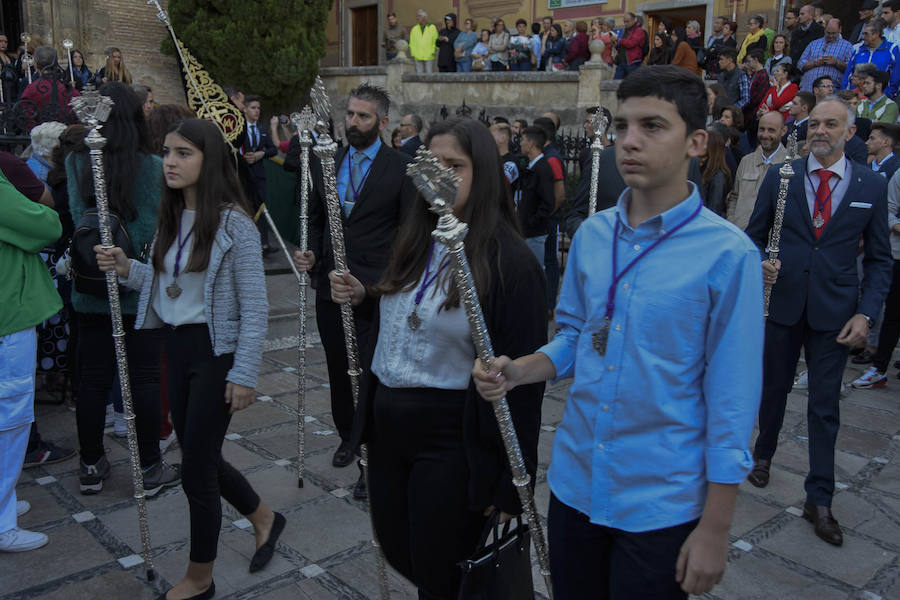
column 115, row 69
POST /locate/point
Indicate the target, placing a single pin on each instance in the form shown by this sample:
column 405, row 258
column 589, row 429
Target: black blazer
column 819, row 277
column 264, row 143
column 801, row 130
column 889, row 167
column 538, row 199
column 515, row 312
column 372, row 225
column 801, row 39
column 411, row 146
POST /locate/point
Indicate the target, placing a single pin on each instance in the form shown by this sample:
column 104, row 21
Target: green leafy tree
column 266, row 47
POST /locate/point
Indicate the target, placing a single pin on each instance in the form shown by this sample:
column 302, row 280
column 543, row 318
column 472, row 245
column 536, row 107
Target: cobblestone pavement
column 324, row 552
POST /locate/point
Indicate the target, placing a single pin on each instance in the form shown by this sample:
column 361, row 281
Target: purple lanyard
column 353, row 188
column 181, row 245
column 426, row 281
column 617, row 277
column 820, row 208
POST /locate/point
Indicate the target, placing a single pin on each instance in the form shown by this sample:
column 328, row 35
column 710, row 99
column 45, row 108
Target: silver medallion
column 818, row 222
column 173, row 290
column 414, row 320
column 601, row 337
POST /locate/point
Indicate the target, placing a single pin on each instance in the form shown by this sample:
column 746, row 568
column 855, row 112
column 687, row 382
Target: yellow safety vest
column 422, row 44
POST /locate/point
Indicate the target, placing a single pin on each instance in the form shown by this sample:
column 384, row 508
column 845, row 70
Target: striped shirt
column 841, row 49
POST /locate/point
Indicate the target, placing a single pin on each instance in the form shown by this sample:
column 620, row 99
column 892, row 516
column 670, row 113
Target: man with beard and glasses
column 818, row 302
column 374, row 192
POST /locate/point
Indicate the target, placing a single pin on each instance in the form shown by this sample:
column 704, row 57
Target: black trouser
column 825, row 360
column 418, row 487
column 890, row 324
column 197, row 383
column 97, row 366
column 597, row 562
column 331, row 330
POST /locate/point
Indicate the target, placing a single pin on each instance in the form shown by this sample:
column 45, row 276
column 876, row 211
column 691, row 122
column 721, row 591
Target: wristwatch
column 869, row 320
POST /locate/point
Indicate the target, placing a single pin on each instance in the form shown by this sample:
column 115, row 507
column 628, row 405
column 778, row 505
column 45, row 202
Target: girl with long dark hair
column 134, row 189
column 716, row 175
column 204, row 287
column 436, row 462
column 80, row 70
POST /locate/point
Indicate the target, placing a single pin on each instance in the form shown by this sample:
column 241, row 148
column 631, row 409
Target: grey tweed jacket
column 234, row 296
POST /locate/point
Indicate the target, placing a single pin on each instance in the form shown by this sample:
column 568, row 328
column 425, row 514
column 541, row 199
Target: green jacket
column 884, row 109
column 423, row 42
column 27, row 293
column 146, row 197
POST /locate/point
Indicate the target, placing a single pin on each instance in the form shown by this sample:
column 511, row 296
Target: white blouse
column 187, row 307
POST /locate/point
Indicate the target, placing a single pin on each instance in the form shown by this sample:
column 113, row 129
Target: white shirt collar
column 839, row 168
column 534, row 161
column 876, row 166
column 802, row 121
column 768, row 159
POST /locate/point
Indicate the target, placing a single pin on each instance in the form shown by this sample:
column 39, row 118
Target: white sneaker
column 802, row 381
column 110, row 416
column 168, row 442
column 120, row 429
column 22, row 507
column 22, row 540
column 870, row 379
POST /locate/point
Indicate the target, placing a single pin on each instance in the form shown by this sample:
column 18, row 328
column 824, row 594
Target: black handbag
column 500, row 569
column 88, row 277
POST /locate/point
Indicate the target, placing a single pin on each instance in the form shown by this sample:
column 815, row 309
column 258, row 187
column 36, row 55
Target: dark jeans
column 825, row 359
column 525, row 65
column 331, row 330
column 623, row 71
column 197, row 384
column 890, row 325
column 597, row 562
column 97, row 364
column 497, row 66
column 418, row 486
column 551, row 262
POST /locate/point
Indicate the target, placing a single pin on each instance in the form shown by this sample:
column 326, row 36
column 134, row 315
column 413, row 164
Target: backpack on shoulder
column 86, row 275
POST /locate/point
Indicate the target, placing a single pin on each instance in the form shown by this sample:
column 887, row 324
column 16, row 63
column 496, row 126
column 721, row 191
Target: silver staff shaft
column 596, row 149
column 785, row 172
column 325, row 150
column 304, row 186
column 521, row 478
column 96, row 142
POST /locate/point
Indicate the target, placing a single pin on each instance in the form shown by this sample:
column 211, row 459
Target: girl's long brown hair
column 715, row 158
column 117, row 73
column 489, row 212
column 217, row 188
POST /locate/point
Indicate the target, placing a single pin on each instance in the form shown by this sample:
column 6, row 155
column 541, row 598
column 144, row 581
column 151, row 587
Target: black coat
column 515, row 312
column 411, row 146
column 801, row 39
column 446, row 57
column 538, row 199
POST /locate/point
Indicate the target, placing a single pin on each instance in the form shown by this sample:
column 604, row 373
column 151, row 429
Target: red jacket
column 579, row 48
column 633, row 43
column 37, row 97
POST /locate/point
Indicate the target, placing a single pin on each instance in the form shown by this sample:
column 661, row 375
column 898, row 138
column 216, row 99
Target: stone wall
column 513, row 95
column 94, row 25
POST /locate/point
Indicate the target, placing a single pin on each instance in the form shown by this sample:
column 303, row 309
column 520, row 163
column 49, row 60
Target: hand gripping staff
column 93, row 109
column 325, row 149
column 303, row 121
column 438, row 185
column 599, row 124
column 785, row 172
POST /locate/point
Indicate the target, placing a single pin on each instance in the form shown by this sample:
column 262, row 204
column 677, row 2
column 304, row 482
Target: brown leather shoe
column 826, row 525
column 759, row 476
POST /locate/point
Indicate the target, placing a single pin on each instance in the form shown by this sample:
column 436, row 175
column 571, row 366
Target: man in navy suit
column 880, row 145
column 256, row 147
column 801, row 106
column 410, row 128
column 817, row 300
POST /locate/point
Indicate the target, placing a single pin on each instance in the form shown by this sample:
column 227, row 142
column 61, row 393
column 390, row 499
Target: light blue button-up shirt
column 671, row 405
column 343, row 173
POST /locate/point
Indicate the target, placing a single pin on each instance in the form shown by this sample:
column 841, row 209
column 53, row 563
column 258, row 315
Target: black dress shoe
column 360, row 492
column 856, row 351
column 759, row 476
column 863, row 358
column 264, row 554
column 343, row 456
column 209, row 593
column 826, row 525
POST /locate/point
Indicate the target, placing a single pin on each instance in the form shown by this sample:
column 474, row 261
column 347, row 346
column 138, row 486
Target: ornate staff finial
column 68, row 44
column 161, row 13
column 599, row 122
column 436, row 182
column 91, row 107
column 304, row 121
column 321, row 105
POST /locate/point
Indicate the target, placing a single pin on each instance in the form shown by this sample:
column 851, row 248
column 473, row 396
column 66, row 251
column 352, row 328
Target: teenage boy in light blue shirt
column 661, row 323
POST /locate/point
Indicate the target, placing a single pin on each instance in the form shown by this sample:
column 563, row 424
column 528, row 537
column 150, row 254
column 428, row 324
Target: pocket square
column 860, row 205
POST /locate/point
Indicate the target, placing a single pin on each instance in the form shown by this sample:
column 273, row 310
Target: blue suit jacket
column 819, row 277
column 889, row 167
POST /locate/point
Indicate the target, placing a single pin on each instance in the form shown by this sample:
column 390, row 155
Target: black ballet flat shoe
column 209, row 593
column 264, row 554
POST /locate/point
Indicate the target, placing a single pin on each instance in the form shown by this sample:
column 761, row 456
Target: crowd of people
column 660, row 304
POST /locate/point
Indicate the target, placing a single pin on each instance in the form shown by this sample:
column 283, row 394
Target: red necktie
column 822, row 209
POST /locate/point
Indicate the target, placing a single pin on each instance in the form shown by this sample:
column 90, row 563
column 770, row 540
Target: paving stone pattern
column 325, row 551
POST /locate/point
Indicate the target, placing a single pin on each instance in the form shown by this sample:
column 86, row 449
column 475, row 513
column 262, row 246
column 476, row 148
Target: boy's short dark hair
column 756, row 54
column 522, row 21
column 547, row 125
column 819, row 80
column 536, row 134
column 807, row 99
column 891, row 130
column 672, row 84
column 252, row 98
column 729, row 53
column 881, row 77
